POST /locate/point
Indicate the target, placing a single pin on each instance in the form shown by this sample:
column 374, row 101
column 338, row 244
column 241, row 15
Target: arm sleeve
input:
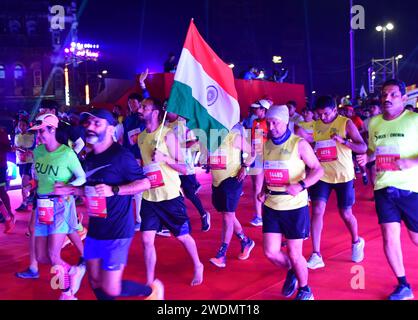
column 78, row 145
column 76, row 169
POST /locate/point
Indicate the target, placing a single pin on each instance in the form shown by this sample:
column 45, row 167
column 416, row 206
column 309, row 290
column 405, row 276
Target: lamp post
column 388, row 27
column 397, row 58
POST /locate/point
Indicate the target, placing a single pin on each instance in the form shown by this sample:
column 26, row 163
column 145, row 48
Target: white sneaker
column 315, row 262
column 76, row 275
column 69, row 295
column 164, row 233
column 357, row 250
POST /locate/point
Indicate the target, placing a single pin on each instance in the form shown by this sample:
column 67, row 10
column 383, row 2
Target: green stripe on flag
column 181, row 102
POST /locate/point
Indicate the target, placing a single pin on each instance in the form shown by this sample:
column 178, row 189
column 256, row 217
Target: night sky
column 137, row 34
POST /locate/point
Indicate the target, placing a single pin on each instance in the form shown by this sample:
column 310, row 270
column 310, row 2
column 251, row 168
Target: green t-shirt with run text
column 52, row 167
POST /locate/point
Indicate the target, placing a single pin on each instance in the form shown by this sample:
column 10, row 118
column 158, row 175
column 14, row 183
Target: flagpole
column 352, row 58
column 161, row 131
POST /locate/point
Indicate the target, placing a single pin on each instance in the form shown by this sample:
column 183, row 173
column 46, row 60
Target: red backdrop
column 159, row 86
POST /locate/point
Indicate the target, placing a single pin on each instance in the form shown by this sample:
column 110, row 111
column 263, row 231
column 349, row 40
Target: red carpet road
column 254, row 279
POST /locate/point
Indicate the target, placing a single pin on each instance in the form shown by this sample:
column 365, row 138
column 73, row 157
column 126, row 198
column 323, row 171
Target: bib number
column 276, row 173
column 96, row 205
column 154, row 174
column 217, row 160
column 386, row 157
column 45, row 211
column 326, row 151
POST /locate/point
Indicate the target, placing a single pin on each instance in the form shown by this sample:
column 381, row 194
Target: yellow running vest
column 335, row 158
column 165, row 181
column 225, row 162
column 393, row 140
column 283, row 166
column 307, row 126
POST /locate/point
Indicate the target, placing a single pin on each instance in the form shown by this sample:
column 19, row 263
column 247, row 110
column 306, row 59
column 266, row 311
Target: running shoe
column 402, row 292
column 164, row 233
column 304, row 295
column 257, row 222
column 76, row 276
column 358, row 251
column 22, row 208
column 315, row 261
column 27, row 274
column 67, row 296
column 206, row 222
column 220, row 258
column 246, row 248
column 290, row 284
column 219, row 261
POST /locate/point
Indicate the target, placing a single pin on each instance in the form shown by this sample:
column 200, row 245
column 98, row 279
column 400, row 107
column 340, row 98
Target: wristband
column 302, row 184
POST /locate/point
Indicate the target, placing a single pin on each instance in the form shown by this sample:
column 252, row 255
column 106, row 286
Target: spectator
column 248, row 121
column 24, row 143
column 170, row 64
column 118, row 111
column 65, row 133
column 294, row 117
column 251, row 73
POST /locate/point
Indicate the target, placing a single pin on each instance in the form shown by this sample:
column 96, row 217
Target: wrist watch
column 115, row 190
column 302, row 184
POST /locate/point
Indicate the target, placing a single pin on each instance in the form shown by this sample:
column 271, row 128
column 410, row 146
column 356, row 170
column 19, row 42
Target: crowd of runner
column 134, row 173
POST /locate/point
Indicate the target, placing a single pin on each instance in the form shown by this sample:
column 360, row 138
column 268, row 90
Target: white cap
column 279, row 112
column 261, row 103
column 265, row 103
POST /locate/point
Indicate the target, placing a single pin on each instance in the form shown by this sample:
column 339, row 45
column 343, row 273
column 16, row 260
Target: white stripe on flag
column 224, row 108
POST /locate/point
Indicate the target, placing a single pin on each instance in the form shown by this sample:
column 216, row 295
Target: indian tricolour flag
column 204, row 91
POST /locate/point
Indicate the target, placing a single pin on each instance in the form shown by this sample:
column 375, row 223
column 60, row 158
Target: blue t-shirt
column 115, row 167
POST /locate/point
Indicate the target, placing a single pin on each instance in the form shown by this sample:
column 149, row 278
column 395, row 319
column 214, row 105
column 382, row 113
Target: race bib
column 96, row 206
column 276, row 173
column 217, row 160
column 386, row 157
column 154, row 174
column 326, row 150
column 133, row 136
column 45, row 211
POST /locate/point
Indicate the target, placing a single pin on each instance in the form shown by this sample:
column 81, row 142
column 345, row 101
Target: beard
column 94, row 138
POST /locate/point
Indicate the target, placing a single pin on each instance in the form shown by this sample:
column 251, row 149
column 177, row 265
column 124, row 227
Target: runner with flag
column 204, row 93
